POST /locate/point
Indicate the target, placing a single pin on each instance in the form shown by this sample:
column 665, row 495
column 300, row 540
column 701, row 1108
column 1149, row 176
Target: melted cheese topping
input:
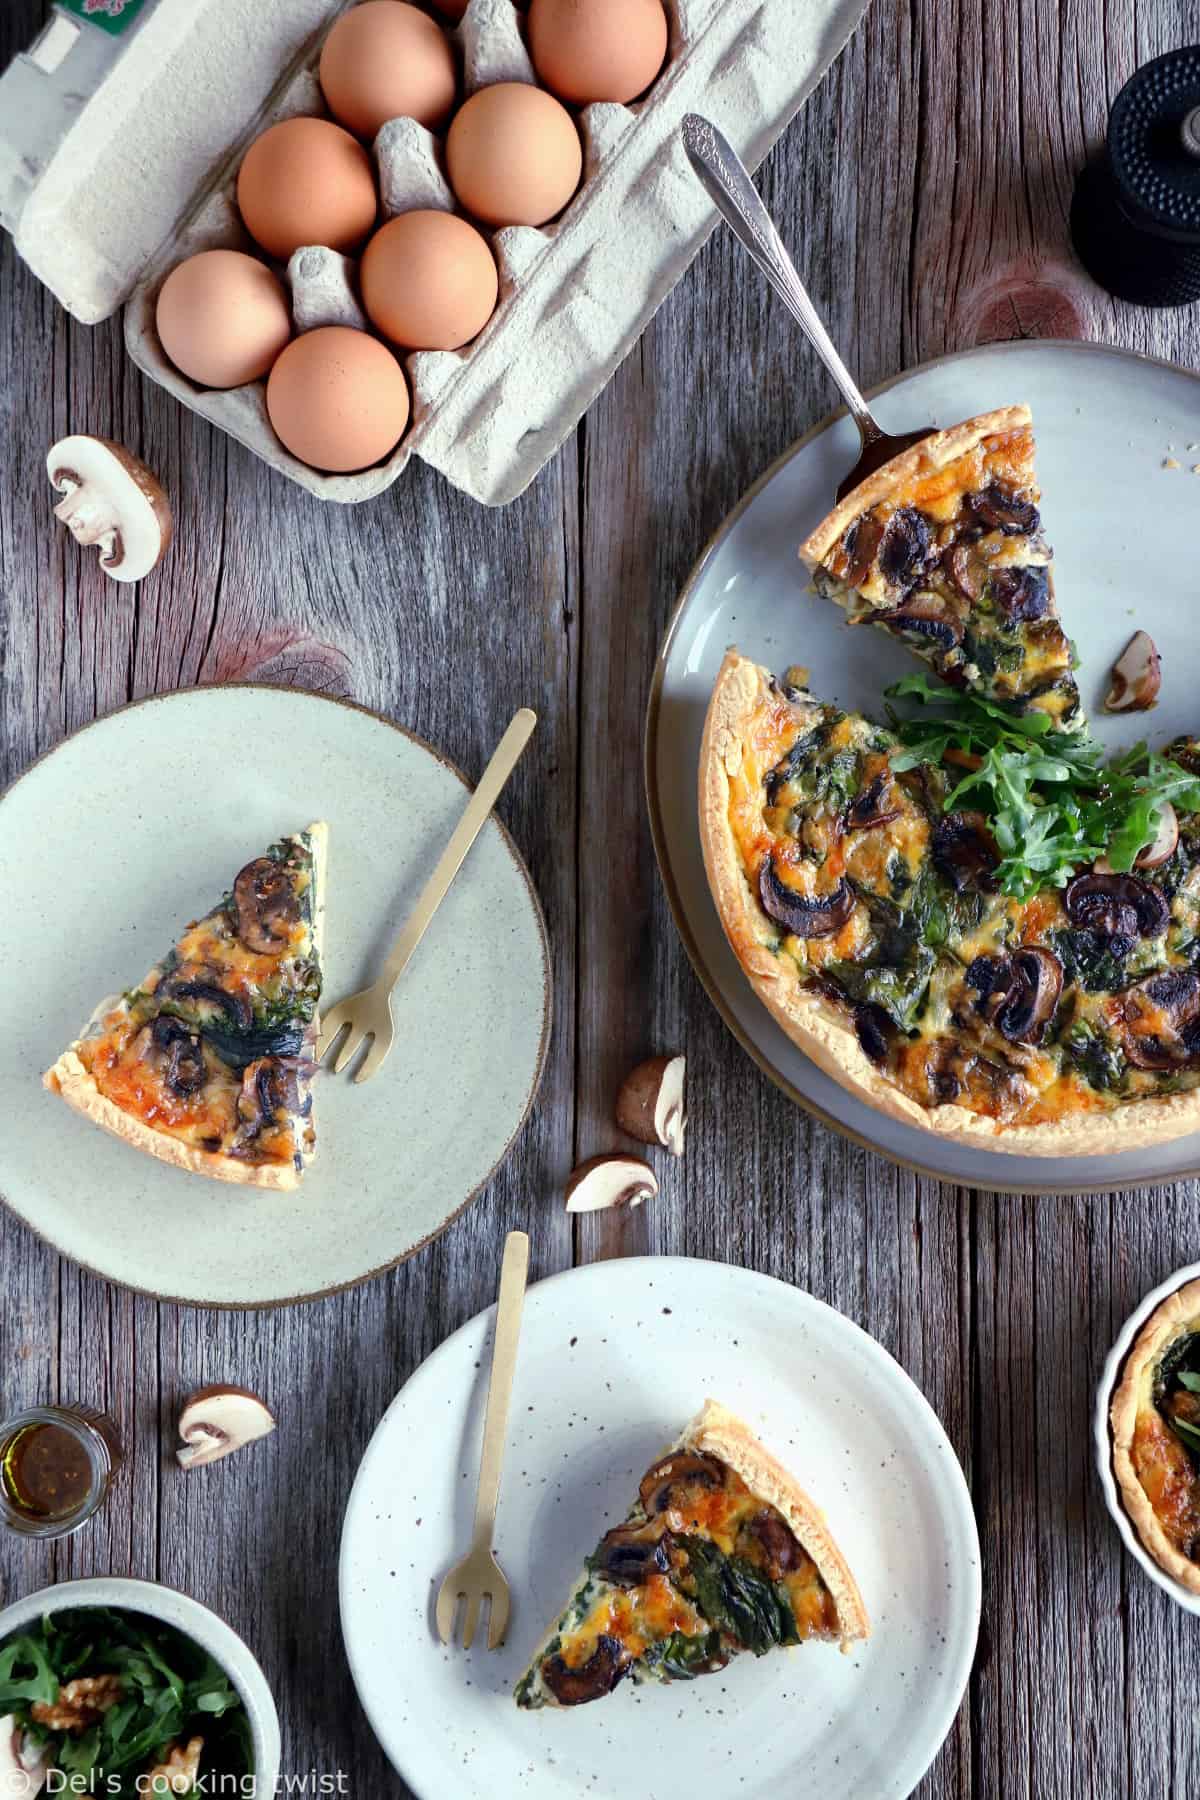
column 1170, row 1479
column 806, row 782
column 223, row 1113
column 645, row 1614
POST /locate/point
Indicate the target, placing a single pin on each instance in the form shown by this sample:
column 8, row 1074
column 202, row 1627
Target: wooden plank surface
column 924, row 188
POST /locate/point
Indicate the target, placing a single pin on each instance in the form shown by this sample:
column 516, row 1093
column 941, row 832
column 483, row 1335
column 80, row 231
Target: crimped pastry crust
column 1178, row 1314
column 823, row 1030
column 922, row 460
column 76, row 1085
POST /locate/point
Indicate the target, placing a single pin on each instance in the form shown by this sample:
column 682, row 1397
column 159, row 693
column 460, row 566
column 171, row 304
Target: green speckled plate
column 128, row 829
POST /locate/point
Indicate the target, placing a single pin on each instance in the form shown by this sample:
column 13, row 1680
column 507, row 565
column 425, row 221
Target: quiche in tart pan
column 1155, row 1417
column 867, row 920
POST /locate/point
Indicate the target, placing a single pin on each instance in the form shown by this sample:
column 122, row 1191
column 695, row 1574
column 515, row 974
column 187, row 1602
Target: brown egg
column 384, row 60
column 429, row 281
column 306, row 181
column 222, row 318
column 587, row 50
column 513, row 155
column 338, row 399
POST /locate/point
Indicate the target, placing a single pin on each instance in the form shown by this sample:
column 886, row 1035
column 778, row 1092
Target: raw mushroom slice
column 111, row 499
column 612, row 1180
column 650, row 1105
column 216, row 1421
column 1136, row 676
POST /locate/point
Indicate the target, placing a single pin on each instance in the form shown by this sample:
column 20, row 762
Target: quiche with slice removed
column 207, row 1063
column 1155, row 1416
column 870, row 922
column 943, row 547
column 721, row 1553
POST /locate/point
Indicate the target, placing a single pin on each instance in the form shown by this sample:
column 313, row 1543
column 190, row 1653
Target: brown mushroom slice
column 804, row 915
column 965, row 852
column 682, row 1468
column 869, row 809
column 1022, row 595
column 630, row 1554
column 609, row 1662
column 1001, row 508
column 270, row 1086
column 184, row 1069
column 1136, row 676
column 928, row 618
column 610, row 1180
column 1018, row 993
column 216, row 1421
column 1117, row 906
column 1167, row 1006
column 264, row 898
column 650, row 1104
column 112, row 500
column 905, row 547
column 964, row 570
column 778, row 1543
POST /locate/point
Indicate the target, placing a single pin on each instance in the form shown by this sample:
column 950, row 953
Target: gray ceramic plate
column 118, row 837
column 614, row 1358
column 1124, row 528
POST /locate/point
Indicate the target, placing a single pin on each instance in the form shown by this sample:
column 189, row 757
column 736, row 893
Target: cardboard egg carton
column 200, row 79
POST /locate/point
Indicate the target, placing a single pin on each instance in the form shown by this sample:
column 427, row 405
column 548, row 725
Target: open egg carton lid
column 118, row 158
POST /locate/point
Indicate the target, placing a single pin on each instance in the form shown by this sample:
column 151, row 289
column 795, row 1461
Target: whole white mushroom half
column 112, row 500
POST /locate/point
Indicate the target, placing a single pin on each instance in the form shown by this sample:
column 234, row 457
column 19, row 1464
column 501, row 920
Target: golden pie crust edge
column 74, row 1084
column 1179, row 1310
column 722, row 1434
column 823, row 1030
column 922, row 460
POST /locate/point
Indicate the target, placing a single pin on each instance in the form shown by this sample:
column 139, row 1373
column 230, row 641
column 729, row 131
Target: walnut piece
column 179, row 1773
column 80, row 1703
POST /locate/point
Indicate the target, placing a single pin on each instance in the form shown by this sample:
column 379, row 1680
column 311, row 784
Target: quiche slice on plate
column 207, row 1063
column 868, row 922
column 1155, row 1417
column 722, row 1552
column 943, row 547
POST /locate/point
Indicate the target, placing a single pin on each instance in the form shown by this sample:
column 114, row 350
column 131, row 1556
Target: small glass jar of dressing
column 57, row 1464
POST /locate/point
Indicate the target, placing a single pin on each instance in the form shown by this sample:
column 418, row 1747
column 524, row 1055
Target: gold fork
column 368, row 1014
column 479, row 1577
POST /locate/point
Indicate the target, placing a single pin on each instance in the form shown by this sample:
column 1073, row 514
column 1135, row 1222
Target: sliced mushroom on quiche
column 1155, row 1417
column 722, row 1553
column 870, row 922
column 943, row 547
column 207, row 1063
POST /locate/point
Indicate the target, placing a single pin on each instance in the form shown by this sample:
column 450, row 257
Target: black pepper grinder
column 1135, row 217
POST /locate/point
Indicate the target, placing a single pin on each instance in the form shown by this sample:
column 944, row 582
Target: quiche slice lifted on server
column 207, row 1063
column 868, row 920
column 722, row 1552
column 943, row 548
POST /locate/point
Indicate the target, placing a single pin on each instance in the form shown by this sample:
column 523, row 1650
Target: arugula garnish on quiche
column 722, row 1553
column 207, row 1063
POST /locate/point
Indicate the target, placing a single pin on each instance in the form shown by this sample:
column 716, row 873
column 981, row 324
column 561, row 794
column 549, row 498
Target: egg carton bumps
column 146, row 176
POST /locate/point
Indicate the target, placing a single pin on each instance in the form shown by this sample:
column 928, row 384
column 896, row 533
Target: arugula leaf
column 26, row 1673
column 1189, row 1433
column 1053, row 804
column 1190, row 1381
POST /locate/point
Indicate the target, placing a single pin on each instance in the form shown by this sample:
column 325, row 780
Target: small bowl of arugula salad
column 125, row 1689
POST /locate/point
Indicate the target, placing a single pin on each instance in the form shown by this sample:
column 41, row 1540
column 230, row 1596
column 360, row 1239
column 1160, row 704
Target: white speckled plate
column 1124, row 529
column 1102, row 1437
column 614, row 1359
column 118, row 837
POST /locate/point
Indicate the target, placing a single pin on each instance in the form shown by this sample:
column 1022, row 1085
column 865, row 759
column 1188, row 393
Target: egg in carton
column 574, row 294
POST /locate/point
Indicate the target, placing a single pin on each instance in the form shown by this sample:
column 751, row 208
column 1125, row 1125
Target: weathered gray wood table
column 924, row 188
